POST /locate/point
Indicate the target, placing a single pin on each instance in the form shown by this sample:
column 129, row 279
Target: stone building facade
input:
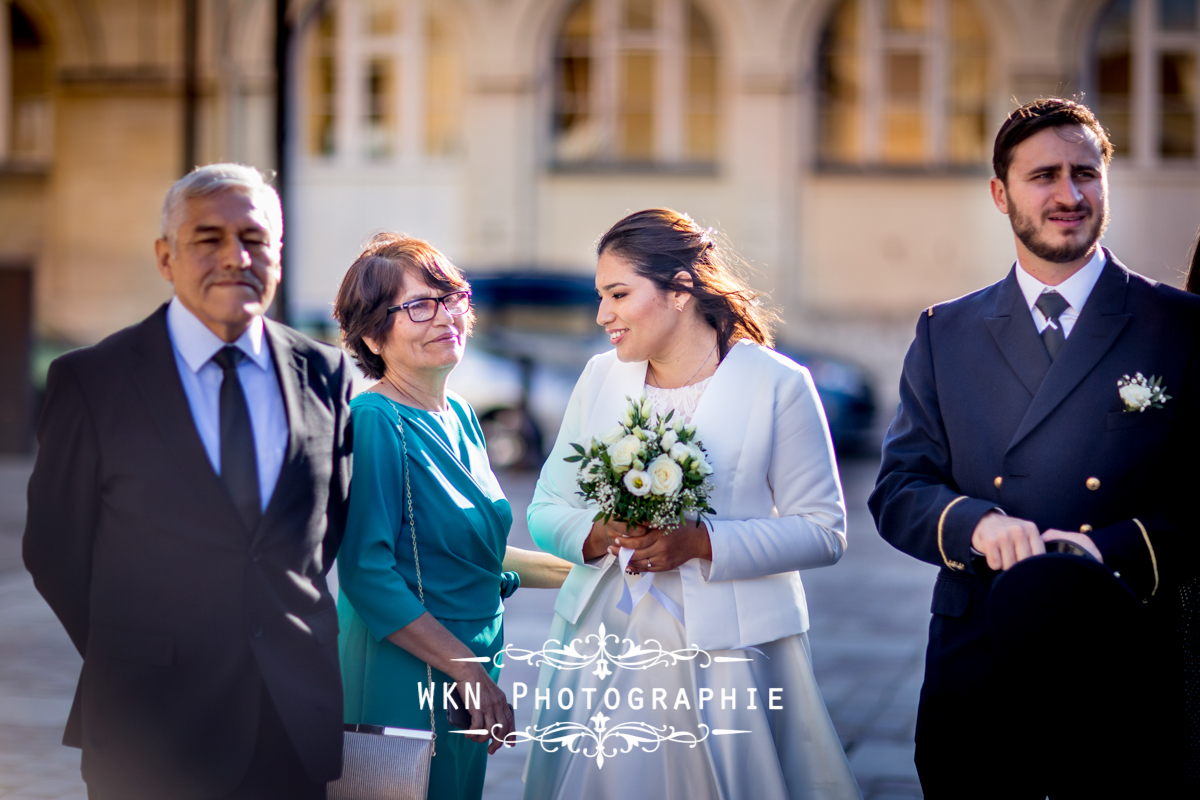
column 842, row 146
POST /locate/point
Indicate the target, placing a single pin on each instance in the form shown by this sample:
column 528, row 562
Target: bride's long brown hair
column 660, row 243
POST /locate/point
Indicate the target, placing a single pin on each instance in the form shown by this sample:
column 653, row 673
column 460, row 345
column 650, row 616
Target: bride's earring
column 679, row 306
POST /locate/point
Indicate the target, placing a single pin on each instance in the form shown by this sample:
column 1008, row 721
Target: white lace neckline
column 682, row 400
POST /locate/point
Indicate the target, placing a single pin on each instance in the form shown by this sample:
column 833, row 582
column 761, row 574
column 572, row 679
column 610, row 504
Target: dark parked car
column 846, row 394
column 535, row 332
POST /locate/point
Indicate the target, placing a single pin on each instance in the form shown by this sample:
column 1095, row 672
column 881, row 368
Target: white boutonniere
column 1139, row 392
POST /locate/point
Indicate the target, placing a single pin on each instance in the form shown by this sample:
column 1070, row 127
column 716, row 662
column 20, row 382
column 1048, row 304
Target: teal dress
column 462, row 521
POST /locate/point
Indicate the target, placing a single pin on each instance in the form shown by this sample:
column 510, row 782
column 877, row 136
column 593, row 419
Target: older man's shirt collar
column 197, row 344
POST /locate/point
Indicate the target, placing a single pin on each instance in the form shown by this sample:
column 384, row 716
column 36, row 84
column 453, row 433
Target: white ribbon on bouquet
column 641, row 586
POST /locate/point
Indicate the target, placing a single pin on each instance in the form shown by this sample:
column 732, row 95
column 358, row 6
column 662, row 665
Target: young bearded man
column 1012, row 432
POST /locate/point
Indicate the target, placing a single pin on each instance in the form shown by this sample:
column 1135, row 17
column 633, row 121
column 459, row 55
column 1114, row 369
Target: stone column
column 5, row 82
column 502, row 135
column 761, row 152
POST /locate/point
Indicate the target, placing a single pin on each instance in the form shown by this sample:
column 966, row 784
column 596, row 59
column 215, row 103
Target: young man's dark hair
column 1048, row 112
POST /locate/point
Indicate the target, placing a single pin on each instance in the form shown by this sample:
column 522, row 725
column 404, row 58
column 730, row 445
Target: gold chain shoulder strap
column 412, row 527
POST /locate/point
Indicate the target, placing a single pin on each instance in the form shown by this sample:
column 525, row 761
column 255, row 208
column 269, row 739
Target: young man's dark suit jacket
column 181, row 614
column 987, row 421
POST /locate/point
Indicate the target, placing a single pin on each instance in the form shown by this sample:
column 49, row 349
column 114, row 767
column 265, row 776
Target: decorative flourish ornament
column 602, row 742
column 602, row 649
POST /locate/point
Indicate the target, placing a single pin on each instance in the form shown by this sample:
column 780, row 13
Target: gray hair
column 214, row 178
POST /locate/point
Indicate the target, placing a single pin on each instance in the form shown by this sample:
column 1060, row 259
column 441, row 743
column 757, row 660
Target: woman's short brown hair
column 374, row 280
column 660, row 243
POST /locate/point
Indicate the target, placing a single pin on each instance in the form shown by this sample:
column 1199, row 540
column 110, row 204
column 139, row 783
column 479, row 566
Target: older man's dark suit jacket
column 987, row 420
column 182, row 615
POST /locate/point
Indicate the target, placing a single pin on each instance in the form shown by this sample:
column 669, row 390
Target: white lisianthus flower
column 646, row 408
column 637, row 482
column 678, row 426
column 623, row 451
column 627, row 418
column 665, row 476
column 668, row 440
column 701, row 464
column 1136, row 396
column 612, row 435
column 679, row 452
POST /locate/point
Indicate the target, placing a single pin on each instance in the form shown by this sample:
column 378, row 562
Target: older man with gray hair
column 188, row 498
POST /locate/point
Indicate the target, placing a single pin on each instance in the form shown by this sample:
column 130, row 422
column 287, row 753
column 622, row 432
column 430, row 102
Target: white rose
column 701, row 464
column 624, row 451
column 612, row 435
column 637, row 482
column 679, row 451
column 1136, row 396
column 591, row 470
column 665, row 476
column 668, row 440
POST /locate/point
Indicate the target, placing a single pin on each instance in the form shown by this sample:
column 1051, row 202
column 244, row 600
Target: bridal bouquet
column 645, row 471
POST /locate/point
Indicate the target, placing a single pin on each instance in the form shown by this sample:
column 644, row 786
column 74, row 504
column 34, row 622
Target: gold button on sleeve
column 1085, row 528
column 998, row 482
column 1093, row 483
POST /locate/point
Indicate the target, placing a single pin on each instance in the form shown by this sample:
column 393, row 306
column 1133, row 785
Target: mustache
column 244, row 276
column 1082, row 205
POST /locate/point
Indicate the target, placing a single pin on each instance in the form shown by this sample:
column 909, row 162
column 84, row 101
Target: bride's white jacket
column 778, row 499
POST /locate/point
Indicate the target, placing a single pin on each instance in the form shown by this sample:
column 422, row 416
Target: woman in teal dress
column 404, row 311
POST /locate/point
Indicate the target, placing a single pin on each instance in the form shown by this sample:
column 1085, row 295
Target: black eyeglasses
column 425, row 309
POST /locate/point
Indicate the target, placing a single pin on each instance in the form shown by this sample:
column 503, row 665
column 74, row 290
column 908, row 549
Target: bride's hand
column 656, row 550
column 603, row 536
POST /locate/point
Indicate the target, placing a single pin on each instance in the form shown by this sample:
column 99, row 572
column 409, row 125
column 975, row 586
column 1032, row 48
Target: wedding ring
column 648, row 564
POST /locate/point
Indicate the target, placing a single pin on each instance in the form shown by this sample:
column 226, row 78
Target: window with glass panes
column 635, row 81
column 384, row 82
column 1145, row 75
column 26, row 105
column 904, row 83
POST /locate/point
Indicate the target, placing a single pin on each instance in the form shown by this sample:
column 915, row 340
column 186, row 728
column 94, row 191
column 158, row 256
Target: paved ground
column 868, row 631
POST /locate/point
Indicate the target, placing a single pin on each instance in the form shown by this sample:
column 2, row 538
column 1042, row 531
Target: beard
column 1063, row 253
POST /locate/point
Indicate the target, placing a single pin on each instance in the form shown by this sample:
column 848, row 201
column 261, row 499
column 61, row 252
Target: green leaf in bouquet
column 573, row 459
column 578, row 448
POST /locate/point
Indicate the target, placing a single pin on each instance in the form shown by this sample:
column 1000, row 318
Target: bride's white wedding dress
column 746, row 749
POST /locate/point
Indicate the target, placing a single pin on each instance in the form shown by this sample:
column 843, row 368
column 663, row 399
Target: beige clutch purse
column 381, row 763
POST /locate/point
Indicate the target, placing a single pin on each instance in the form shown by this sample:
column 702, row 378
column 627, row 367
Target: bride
column 747, row 715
